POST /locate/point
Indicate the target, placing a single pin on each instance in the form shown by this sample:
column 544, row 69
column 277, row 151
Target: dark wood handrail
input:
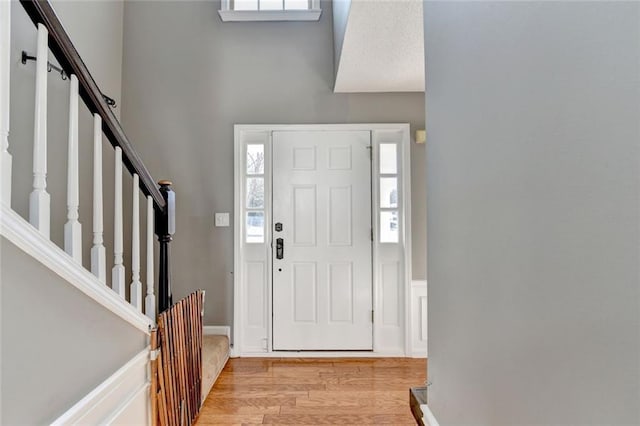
column 41, row 12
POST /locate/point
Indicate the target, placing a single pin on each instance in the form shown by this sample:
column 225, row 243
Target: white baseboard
column 24, row 236
column 217, row 330
column 121, row 399
column 418, row 345
column 428, row 418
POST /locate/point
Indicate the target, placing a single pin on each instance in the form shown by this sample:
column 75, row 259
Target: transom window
column 270, row 10
column 271, row 4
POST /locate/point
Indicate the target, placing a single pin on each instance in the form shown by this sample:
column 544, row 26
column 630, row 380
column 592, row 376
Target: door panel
column 322, row 286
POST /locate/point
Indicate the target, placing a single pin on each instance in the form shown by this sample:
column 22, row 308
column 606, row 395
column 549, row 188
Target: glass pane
column 389, row 227
column 388, row 158
column 245, row 4
column 255, row 193
column 296, row 4
column 270, row 4
column 388, row 192
column 255, row 159
column 255, row 227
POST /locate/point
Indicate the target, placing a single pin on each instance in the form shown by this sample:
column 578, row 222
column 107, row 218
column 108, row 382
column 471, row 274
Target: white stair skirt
column 121, row 399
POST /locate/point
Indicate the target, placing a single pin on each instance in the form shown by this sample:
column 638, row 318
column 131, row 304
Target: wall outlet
column 222, row 219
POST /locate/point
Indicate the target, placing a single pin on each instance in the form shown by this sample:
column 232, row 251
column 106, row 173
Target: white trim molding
column 418, row 319
column 269, row 15
column 428, row 418
column 252, row 336
column 121, row 399
column 22, row 234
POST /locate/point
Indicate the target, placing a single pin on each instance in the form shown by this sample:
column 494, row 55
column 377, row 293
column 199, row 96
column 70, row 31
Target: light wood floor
column 314, row 391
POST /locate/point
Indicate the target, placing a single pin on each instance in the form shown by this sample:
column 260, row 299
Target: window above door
column 269, row 10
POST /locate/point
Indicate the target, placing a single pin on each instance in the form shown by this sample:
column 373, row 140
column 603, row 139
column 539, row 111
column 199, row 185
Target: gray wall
column 188, row 77
column 57, row 343
column 533, row 194
column 341, row 10
column 95, row 28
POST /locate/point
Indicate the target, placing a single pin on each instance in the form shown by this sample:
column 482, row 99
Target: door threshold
column 323, row 354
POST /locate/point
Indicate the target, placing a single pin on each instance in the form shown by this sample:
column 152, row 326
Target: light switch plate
column 222, row 219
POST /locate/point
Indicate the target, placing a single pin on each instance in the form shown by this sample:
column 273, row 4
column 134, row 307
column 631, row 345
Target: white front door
column 321, row 227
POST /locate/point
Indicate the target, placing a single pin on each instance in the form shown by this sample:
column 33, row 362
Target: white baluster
column 150, row 299
column 98, row 252
column 5, row 66
column 117, row 273
column 136, row 285
column 39, row 200
column 73, row 228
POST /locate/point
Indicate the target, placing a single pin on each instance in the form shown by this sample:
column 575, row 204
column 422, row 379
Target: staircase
column 77, row 313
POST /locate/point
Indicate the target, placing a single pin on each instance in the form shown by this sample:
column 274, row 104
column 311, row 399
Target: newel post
column 165, row 222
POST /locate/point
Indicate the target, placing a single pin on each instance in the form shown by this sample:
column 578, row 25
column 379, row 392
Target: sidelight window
column 388, row 196
column 254, row 194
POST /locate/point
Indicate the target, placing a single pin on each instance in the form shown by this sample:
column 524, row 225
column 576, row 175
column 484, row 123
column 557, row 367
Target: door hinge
column 372, row 315
column 371, row 234
column 370, row 148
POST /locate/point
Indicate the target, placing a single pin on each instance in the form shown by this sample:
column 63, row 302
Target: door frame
column 391, row 301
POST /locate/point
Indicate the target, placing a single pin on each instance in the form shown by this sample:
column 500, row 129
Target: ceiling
column 383, row 47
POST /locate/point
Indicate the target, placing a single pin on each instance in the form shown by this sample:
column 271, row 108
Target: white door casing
column 322, row 280
column 252, row 333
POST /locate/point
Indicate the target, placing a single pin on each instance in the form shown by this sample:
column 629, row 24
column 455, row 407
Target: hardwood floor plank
column 370, row 394
column 248, row 387
column 328, row 401
column 226, row 394
column 337, row 419
column 323, row 409
column 309, row 380
column 245, row 409
column 367, row 384
column 216, row 419
column 253, row 402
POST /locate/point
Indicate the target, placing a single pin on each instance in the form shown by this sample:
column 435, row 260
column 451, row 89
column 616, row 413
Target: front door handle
column 279, row 248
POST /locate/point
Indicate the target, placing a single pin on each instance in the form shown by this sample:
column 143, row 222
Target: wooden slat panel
column 180, row 333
